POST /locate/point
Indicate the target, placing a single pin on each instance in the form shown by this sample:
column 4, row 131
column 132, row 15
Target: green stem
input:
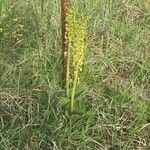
column 74, row 89
column 68, row 73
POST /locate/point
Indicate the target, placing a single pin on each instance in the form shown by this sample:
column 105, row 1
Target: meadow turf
column 116, row 76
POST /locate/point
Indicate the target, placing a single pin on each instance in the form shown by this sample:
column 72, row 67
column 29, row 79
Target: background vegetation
column 116, row 76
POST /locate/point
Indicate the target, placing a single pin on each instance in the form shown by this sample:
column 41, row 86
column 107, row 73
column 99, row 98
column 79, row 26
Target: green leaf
column 79, row 107
column 63, row 101
column 79, row 91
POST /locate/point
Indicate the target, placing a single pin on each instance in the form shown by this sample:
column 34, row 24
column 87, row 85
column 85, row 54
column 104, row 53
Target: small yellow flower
column 65, row 53
column 20, row 35
column 80, row 69
column 14, row 34
column 1, row 29
column 4, row 15
column 20, row 26
column 15, row 19
column 12, row 6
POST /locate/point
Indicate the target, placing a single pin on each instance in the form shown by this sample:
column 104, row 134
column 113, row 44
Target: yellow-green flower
column 75, row 41
column 1, row 29
column 15, row 19
column 20, row 26
column 14, row 33
column 20, row 35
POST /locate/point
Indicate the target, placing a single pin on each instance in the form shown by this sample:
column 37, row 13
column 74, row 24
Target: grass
column 116, row 75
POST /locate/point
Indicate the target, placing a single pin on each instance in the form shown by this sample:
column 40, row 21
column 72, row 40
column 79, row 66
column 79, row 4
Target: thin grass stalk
column 41, row 45
column 43, row 25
